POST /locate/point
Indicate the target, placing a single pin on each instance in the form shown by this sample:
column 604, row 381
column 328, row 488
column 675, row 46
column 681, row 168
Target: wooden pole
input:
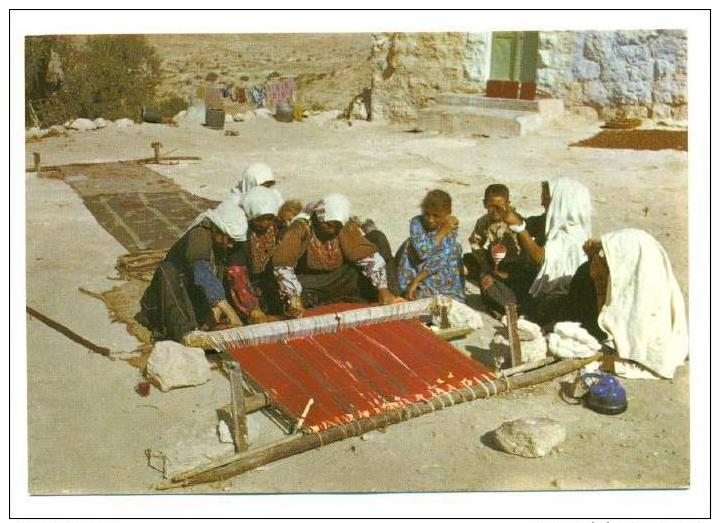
column 243, row 462
column 237, row 406
column 156, row 147
column 37, row 167
column 104, row 351
column 513, row 336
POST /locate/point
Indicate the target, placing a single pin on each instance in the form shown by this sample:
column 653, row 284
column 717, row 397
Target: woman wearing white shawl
column 567, row 227
column 187, row 289
column 255, row 175
column 641, row 308
column 323, row 254
column 254, row 289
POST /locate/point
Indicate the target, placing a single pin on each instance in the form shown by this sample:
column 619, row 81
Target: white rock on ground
column 100, row 123
column 255, row 427
column 196, row 113
column 33, row 132
column 172, row 365
column 180, row 117
column 529, row 437
column 263, row 112
column 181, row 450
column 223, row 432
column 124, row 122
column 82, row 124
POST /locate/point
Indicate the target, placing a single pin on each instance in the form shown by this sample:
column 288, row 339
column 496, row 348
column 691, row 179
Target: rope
column 507, row 380
column 487, row 391
column 491, row 382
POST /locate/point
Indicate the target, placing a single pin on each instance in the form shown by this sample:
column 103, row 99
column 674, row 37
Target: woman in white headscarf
column 554, row 244
column 324, row 258
column 187, row 291
column 253, row 286
column 628, row 293
column 255, row 175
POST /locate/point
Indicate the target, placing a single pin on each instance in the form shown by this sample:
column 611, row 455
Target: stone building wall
column 410, row 68
column 639, row 73
column 642, row 73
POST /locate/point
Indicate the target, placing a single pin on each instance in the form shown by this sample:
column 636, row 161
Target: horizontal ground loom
column 345, row 370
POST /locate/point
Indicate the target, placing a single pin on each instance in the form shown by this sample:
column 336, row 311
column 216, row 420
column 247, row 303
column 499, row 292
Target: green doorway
column 514, row 56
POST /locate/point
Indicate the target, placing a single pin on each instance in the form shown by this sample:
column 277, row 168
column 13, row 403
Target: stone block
column 172, row 365
column 529, row 437
column 586, row 70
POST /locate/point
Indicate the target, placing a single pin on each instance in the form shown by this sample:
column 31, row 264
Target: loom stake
column 513, row 336
column 304, row 415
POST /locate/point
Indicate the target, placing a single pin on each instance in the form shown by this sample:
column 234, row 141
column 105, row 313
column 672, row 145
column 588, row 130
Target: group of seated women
column 256, row 257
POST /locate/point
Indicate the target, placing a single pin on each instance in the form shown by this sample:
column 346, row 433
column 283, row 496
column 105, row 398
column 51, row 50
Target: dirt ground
column 88, row 429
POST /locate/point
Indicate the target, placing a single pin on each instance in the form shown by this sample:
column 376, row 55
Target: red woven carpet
column 358, row 372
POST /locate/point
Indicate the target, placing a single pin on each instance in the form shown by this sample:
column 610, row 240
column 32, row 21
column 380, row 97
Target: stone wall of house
column 638, row 73
column 410, row 68
column 635, row 73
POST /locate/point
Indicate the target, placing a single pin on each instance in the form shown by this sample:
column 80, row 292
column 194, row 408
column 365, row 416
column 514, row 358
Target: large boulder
column 529, row 437
column 82, row 124
column 172, row 366
column 124, row 122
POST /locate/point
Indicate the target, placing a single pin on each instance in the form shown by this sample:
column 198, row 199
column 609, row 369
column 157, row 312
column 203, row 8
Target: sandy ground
column 88, row 430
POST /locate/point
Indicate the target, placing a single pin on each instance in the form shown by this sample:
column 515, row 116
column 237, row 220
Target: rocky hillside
column 330, row 68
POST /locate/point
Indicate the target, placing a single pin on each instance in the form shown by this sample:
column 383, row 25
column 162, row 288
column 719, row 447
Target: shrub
column 108, row 75
column 211, row 77
column 171, row 105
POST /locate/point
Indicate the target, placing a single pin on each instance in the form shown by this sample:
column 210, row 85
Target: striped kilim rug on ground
column 356, row 372
column 139, row 207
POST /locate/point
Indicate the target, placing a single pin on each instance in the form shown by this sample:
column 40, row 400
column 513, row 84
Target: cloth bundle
column 280, row 91
column 257, row 95
column 533, row 346
column 570, row 340
column 459, row 314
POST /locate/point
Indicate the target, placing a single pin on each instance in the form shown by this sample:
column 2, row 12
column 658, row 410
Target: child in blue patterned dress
column 430, row 261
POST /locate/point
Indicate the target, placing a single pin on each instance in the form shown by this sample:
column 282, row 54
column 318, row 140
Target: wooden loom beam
column 243, row 462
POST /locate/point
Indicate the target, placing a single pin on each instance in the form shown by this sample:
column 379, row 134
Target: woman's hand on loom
column 223, row 313
column 295, row 308
column 411, row 292
column 385, row 297
column 257, row 316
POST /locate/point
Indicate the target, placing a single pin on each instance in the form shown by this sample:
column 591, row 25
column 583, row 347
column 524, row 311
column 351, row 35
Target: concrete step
column 452, row 119
column 546, row 105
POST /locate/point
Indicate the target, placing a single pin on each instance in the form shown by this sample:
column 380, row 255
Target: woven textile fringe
column 279, row 331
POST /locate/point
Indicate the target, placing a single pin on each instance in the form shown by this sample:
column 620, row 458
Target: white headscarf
column 567, row 228
column 260, row 201
column 229, row 217
column 644, row 311
column 254, row 175
column 332, row 208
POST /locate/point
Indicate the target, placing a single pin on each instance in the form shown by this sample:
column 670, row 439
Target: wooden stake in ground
column 156, row 147
column 37, row 163
column 237, row 406
column 513, row 336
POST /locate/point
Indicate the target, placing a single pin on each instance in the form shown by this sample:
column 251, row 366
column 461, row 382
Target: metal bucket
column 284, row 112
column 150, row 115
column 215, row 118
